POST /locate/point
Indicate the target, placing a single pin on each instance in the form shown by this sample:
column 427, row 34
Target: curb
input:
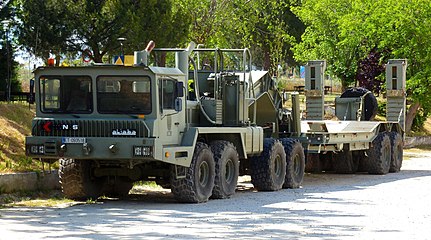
column 411, row 142
column 30, row 181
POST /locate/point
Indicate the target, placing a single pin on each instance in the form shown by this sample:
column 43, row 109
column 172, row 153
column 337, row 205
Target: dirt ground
column 328, row 206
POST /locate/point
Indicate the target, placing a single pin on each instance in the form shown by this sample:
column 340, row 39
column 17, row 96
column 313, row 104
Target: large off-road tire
column 379, row 155
column 198, row 183
column 164, row 183
column 362, row 159
column 326, row 159
column 268, row 170
column 370, row 101
column 295, row 159
column 313, row 163
column 397, row 145
column 344, row 162
column 117, row 187
column 77, row 181
column 226, row 169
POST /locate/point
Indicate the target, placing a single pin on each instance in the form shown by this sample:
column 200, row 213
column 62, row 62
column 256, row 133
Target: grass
column 15, row 125
column 53, row 198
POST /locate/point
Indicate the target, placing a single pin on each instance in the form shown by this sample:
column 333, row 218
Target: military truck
column 192, row 129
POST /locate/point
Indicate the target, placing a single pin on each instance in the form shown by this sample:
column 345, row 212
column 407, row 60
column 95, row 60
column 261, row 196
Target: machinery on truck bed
column 191, row 129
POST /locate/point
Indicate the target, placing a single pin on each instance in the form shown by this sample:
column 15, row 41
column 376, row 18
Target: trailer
column 194, row 127
column 355, row 142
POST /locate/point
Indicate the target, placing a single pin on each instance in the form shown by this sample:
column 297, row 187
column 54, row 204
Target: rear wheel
column 379, row 155
column 344, row 162
column 295, row 163
column 226, row 169
column 198, row 183
column 117, row 186
column 396, row 151
column 313, row 164
column 77, row 181
column 362, row 160
column 268, row 171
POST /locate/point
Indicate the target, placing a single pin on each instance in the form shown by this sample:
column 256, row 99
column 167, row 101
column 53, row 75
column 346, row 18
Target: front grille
column 90, row 128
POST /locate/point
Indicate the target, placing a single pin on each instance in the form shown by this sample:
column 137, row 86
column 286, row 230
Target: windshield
column 66, row 94
column 123, row 94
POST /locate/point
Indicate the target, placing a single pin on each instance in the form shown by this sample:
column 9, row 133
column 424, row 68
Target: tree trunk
column 57, row 59
column 411, row 113
column 344, row 84
column 267, row 59
column 97, row 57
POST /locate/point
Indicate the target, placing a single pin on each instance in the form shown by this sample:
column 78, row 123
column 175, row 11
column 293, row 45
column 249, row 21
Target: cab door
column 171, row 112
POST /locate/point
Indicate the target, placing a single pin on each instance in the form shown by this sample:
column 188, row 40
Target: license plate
column 73, row 140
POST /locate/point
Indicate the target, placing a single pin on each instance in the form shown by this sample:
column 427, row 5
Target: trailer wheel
column 117, row 186
column 313, row 164
column 295, row 163
column 345, row 162
column 379, row 155
column 164, row 183
column 362, row 160
column 268, row 170
column 198, row 183
column 226, row 169
column 77, row 181
column 397, row 152
column 370, row 101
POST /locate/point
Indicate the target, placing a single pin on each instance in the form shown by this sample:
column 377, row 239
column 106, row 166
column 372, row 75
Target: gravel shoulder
column 329, row 206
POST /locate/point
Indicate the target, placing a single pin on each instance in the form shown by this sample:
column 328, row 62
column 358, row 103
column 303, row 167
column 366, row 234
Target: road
column 329, row 206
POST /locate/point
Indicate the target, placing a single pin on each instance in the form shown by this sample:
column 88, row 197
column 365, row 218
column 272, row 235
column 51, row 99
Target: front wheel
column 77, row 181
column 198, row 182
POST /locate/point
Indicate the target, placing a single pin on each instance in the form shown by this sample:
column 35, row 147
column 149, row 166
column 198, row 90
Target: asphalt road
column 329, row 206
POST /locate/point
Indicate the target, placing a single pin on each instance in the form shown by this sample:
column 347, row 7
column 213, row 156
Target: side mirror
column 30, row 98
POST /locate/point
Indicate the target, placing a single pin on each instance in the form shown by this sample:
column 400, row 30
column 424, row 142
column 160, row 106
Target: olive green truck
column 195, row 128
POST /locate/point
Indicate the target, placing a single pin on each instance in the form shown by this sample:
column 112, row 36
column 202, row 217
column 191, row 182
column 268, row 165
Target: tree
column 327, row 36
column 345, row 32
column 267, row 28
column 42, row 28
column 8, row 76
column 369, row 70
column 60, row 27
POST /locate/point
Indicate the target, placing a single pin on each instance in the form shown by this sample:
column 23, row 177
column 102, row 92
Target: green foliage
column 419, row 120
column 61, row 27
column 381, row 108
column 8, row 67
column 331, row 34
column 345, row 31
column 268, row 28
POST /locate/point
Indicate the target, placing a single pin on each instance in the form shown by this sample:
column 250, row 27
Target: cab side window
column 167, row 93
